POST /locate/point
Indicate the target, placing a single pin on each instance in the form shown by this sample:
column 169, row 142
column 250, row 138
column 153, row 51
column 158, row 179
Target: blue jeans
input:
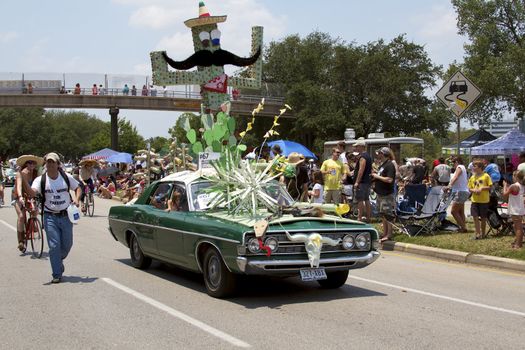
column 59, row 232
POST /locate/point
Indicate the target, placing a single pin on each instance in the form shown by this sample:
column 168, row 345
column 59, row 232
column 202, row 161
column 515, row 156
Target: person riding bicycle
column 22, row 191
column 87, row 176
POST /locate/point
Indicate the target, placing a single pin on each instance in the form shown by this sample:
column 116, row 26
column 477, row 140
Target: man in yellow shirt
column 479, row 185
column 332, row 170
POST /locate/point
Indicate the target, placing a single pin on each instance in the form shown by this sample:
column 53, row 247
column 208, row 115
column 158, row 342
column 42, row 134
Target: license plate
column 313, row 274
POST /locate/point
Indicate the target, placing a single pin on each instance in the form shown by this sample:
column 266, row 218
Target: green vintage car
column 223, row 247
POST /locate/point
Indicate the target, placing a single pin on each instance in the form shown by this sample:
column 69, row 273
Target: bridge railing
column 139, row 93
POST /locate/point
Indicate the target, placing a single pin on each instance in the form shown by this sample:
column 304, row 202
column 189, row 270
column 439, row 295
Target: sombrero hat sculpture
column 204, row 18
column 88, row 162
column 20, row 161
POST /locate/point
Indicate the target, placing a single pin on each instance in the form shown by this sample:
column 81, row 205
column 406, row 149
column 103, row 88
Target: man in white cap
column 54, row 186
column 363, row 170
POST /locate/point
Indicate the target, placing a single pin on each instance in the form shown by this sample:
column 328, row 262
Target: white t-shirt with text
column 57, row 196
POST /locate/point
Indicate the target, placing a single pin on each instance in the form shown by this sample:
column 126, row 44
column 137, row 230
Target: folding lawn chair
column 426, row 219
column 499, row 223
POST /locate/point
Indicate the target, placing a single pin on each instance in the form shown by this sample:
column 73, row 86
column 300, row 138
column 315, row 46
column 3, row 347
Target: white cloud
column 7, row 37
column 438, row 31
column 142, row 69
column 155, row 17
column 179, row 45
column 242, row 15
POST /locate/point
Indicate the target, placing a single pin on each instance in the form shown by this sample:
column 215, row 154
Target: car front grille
column 287, row 247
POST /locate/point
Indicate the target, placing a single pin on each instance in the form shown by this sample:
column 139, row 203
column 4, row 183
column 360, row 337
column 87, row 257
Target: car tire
column 138, row 259
column 335, row 279
column 219, row 281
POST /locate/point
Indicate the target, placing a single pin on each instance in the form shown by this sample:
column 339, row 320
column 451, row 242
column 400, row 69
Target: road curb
column 453, row 255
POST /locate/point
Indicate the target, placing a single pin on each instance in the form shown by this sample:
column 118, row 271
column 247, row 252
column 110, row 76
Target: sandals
column 22, row 246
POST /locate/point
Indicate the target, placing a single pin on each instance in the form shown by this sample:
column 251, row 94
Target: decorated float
column 234, row 217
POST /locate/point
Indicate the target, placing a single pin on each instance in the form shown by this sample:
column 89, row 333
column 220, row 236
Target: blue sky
column 116, row 36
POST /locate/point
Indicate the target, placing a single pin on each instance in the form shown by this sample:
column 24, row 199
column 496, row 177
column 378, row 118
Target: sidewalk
column 446, row 254
column 452, row 255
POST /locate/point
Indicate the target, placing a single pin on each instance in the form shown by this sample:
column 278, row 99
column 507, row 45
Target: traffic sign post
column 458, row 94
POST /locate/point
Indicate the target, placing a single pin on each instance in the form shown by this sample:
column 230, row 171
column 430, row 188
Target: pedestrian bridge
column 28, row 93
column 242, row 105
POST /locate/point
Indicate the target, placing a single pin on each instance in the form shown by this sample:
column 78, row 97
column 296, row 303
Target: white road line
column 8, row 225
column 213, row 331
column 462, row 301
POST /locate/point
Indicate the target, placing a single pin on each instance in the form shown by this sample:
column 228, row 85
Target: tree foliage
column 333, row 85
column 72, row 134
column 495, row 52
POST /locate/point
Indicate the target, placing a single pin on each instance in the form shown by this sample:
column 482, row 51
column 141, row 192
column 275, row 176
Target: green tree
column 178, row 131
column 332, row 85
column 159, row 143
column 71, row 134
column 494, row 53
column 128, row 137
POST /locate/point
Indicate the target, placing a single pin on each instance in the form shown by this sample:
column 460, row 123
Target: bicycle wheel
column 91, row 204
column 36, row 235
column 85, row 204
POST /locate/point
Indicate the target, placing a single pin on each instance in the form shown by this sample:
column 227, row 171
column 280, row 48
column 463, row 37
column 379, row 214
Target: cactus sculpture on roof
column 209, row 58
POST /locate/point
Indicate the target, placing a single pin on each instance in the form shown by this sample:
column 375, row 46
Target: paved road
column 400, row 302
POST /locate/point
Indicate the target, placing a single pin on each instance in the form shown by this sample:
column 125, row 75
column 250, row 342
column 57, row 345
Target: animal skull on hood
column 313, row 244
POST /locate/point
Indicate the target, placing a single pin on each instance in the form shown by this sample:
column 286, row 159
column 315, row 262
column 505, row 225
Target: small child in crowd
column 479, row 185
column 316, row 193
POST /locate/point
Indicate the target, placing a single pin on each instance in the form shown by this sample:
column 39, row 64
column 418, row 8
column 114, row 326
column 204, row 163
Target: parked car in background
column 222, row 247
column 9, row 177
column 68, row 168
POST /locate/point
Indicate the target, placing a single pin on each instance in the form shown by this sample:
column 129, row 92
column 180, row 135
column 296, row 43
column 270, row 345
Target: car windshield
column 201, row 199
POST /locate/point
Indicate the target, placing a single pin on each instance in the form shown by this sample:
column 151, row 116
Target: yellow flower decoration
column 342, row 209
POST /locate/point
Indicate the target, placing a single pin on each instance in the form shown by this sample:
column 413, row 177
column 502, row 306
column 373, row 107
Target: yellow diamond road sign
column 458, row 94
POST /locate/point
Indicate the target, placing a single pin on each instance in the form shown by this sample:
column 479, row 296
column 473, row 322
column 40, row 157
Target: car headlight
column 272, row 243
column 348, row 242
column 361, row 241
column 253, row 245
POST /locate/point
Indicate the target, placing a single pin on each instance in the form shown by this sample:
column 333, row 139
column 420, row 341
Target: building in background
column 499, row 128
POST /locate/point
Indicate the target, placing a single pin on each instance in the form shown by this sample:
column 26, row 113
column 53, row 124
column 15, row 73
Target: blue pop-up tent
column 290, row 146
column 121, row 157
column 512, row 142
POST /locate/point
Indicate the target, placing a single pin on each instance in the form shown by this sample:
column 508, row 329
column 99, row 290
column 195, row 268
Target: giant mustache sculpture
column 206, row 58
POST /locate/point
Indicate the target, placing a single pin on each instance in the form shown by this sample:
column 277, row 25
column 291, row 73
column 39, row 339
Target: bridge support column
column 113, row 112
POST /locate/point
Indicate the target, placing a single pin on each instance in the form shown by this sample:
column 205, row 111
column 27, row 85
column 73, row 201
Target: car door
column 147, row 219
column 144, row 229
column 169, row 235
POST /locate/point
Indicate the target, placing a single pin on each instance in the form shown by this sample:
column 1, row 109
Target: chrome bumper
column 276, row 266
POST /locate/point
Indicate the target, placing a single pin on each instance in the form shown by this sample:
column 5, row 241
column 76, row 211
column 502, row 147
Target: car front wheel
column 334, row 279
column 219, row 281
column 138, row 259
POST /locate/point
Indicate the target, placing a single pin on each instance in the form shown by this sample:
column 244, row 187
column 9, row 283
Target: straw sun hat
column 88, row 162
column 28, row 157
column 204, row 18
